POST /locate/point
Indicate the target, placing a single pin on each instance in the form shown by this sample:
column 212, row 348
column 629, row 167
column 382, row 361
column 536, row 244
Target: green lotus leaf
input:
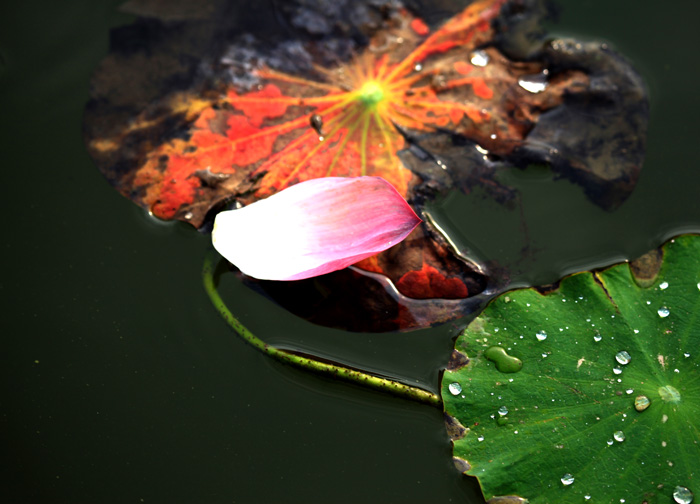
column 589, row 392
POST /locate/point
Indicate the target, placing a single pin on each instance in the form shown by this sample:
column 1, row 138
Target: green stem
column 306, row 362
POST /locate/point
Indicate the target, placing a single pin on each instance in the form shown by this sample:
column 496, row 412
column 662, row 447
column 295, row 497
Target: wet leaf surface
column 605, row 405
column 190, row 115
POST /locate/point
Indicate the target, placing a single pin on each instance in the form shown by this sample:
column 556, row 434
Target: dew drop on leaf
column 619, row 436
column 617, row 370
column 454, row 388
column 682, row 495
column 663, row 285
column 504, row 363
column 641, row 402
column 503, row 411
column 567, row 479
column 535, row 83
column 623, row 357
column 597, row 338
column 480, row 58
column 541, row 336
column 663, row 312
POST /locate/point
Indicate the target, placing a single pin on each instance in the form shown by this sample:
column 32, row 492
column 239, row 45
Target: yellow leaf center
column 371, row 93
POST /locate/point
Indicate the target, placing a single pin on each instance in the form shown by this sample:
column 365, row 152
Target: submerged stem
column 308, row 362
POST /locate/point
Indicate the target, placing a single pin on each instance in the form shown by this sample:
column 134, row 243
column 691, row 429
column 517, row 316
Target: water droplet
column 619, row 436
column 480, row 439
column 610, row 442
column 587, row 497
column 541, row 336
column 698, row 285
column 597, row 338
column 454, row 388
column 670, row 394
column 682, row 495
column 503, row 411
column 567, row 479
column 663, row 312
column 316, row 122
column 641, row 402
column 686, row 355
column 663, row 285
column 479, row 58
column 418, row 67
column 629, row 391
column 504, row 363
column 188, row 215
column 534, row 83
column 617, row 370
column 636, row 331
column 623, row 357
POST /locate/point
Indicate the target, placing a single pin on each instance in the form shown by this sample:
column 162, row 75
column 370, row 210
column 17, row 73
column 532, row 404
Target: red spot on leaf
column 428, row 283
column 418, row 26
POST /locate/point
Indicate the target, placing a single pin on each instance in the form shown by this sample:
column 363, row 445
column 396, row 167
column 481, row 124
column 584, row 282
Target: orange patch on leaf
column 248, row 148
column 259, row 105
column 462, row 67
column 177, row 187
column 429, row 283
column 370, row 264
column 481, row 89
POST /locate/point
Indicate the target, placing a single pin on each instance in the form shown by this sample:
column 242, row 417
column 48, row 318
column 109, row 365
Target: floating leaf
column 605, row 405
column 348, row 120
column 187, row 120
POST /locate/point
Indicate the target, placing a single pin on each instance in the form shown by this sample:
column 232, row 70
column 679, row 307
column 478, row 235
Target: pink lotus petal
column 314, row 227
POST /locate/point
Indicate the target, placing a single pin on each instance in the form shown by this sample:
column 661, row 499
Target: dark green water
column 121, row 384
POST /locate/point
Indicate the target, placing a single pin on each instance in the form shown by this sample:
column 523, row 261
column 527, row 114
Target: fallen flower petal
column 314, row 227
